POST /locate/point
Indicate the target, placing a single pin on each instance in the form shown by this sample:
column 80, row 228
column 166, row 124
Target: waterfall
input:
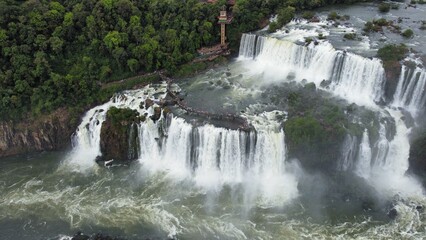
column 358, row 79
column 363, row 165
column 248, row 46
column 355, row 78
column 209, row 156
column 410, row 92
column 349, row 152
column 86, row 140
column 214, row 156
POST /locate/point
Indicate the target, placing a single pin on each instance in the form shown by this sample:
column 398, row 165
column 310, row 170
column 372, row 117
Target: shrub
column 392, row 52
column 384, row 7
column 308, row 15
column 285, row 15
column 308, row 40
column 273, row 26
column 333, row 16
column 377, row 24
column 350, row 36
column 118, row 115
column 381, row 22
column 304, row 130
column 408, row 33
column 372, row 27
column 321, row 36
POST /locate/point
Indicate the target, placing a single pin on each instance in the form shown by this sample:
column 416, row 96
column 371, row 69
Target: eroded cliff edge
column 46, row 133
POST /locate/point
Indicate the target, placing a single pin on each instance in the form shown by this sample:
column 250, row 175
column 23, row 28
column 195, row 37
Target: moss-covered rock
column 384, row 7
column 391, row 55
column 119, row 138
column 408, row 33
column 313, row 142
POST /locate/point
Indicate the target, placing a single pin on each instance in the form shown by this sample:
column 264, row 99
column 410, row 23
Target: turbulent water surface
column 201, row 179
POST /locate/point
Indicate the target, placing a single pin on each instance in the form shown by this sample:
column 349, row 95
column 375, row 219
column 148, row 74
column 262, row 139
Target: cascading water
column 411, row 90
column 86, row 140
column 209, row 155
column 213, row 157
column 352, row 77
column 363, row 166
column 199, row 181
column 356, row 79
column 248, row 46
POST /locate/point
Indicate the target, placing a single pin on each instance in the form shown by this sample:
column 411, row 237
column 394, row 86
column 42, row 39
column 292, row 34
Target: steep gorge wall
column 51, row 132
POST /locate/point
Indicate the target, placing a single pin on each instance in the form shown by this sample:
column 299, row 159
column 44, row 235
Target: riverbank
column 52, row 132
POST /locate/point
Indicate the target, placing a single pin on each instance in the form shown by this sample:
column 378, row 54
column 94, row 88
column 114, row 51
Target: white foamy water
column 86, row 140
column 213, row 157
column 411, row 89
column 198, row 181
column 356, row 79
column 352, row 77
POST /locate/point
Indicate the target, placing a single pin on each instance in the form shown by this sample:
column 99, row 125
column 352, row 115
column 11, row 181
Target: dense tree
column 55, row 53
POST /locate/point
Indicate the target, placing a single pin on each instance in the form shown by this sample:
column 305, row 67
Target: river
column 201, row 179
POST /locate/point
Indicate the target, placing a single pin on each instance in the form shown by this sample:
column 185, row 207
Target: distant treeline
column 58, row 53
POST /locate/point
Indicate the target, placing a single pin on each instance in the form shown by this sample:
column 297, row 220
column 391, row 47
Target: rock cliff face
column 418, row 157
column 393, row 71
column 119, row 135
column 119, row 142
column 51, row 132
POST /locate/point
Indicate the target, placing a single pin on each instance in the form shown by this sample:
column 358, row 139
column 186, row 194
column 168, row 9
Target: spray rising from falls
column 347, row 75
column 86, row 140
column 209, row 156
column 214, row 157
column 355, row 79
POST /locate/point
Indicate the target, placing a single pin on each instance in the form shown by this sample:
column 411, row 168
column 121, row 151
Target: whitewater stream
column 200, row 179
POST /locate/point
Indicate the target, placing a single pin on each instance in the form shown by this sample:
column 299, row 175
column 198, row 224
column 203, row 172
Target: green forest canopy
column 58, row 53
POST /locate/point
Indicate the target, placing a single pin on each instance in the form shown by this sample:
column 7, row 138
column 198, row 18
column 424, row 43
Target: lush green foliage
column 392, row 52
column 285, row 15
column 58, row 53
column 408, row 33
column 120, row 115
column 350, row 36
column 308, row 15
column 304, row 130
column 333, row 16
column 377, row 25
column 384, row 7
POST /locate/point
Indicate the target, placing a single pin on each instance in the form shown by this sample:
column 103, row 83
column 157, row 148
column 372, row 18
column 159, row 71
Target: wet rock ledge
column 46, row 133
column 119, row 135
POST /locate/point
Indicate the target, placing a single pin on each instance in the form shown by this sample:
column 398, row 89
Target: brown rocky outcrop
column 47, row 133
column 392, row 71
column 115, row 143
column 119, row 135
